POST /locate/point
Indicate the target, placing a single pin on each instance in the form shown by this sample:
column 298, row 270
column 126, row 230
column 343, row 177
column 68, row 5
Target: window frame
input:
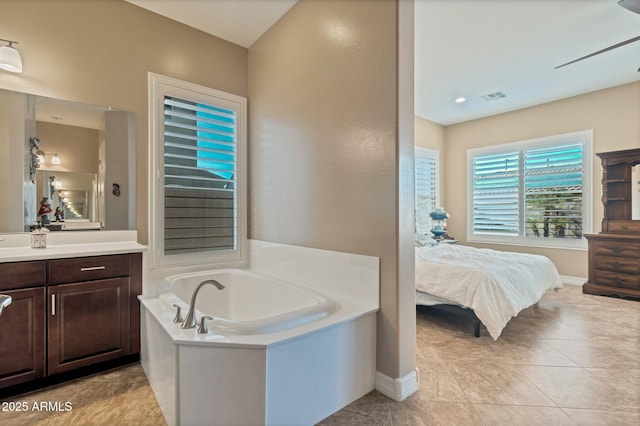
column 586, row 138
column 158, row 87
column 431, row 154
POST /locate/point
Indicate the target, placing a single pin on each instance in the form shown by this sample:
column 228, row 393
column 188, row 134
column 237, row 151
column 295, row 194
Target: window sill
column 579, row 245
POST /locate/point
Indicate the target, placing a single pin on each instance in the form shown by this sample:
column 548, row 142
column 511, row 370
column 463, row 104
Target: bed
column 490, row 286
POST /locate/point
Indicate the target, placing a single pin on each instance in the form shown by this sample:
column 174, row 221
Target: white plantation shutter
column 199, row 177
column 198, row 194
column 496, row 194
column 531, row 192
column 553, row 191
column 426, row 187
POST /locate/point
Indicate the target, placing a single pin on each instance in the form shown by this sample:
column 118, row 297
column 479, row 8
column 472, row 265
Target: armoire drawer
column 613, row 279
column 88, row 268
column 623, row 226
column 618, row 264
column 617, row 248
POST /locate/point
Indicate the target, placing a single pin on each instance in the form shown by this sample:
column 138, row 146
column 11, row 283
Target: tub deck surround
column 259, row 334
column 294, row 351
column 16, row 247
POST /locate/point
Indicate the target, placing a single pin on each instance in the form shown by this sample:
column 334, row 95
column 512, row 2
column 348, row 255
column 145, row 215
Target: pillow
column 425, row 240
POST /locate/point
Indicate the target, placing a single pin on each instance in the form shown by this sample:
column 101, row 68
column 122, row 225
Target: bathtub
column 293, row 338
column 249, row 303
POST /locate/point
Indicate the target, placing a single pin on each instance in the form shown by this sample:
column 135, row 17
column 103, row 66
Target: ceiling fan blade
column 606, row 49
column 632, row 5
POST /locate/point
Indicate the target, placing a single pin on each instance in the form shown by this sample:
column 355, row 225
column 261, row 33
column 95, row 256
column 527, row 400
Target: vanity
column 74, row 307
column 614, row 253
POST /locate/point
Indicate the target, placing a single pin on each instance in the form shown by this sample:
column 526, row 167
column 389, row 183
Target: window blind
column 533, row 192
column 426, row 188
column 553, row 191
column 496, row 182
column 200, row 165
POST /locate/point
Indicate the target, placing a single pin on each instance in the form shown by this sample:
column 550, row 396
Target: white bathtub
column 293, row 339
column 249, row 303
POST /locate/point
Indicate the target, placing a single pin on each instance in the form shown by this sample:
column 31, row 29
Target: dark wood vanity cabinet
column 22, row 337
column 89, row 312
column 614, row 253
column 23, row 323
column 82, row 312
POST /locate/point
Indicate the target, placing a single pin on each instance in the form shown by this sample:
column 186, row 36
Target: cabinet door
column 89, row 322
column 22, row 337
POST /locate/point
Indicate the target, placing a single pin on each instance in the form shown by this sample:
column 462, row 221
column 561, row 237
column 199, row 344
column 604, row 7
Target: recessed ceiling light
column 460, row 100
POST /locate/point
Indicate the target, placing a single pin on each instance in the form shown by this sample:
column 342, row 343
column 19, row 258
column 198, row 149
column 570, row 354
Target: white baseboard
column 397, row 389
column 572, row 280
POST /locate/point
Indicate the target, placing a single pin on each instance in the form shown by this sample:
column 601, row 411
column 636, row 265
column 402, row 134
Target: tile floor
column 119, row 397
column 572, row 359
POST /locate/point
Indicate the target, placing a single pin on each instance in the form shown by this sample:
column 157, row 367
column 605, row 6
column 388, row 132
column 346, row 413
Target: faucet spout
column 190, row 319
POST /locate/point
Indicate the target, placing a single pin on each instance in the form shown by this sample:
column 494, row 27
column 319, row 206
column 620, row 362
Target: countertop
column 16, row 248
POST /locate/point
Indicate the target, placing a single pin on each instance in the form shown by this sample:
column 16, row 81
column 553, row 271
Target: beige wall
column 324, row 151
column 429, row 135
column 99, row 52
column 77, row 147
column 325, row 100
column 614, row 116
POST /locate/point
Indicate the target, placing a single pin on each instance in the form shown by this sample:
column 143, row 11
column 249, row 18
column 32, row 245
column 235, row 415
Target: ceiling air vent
column 492, row 97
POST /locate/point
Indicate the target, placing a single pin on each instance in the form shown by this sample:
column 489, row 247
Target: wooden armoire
column 614, row 253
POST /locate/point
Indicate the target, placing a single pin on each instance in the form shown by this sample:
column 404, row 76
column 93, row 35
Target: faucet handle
column 178, row 317
column 202, row 328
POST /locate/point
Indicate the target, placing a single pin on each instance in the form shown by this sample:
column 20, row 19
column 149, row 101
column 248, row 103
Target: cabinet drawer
column 16, row 275
column 618, row 264
column 612, row 279
column 88, row 268
column 616, row 248
column 624, row 226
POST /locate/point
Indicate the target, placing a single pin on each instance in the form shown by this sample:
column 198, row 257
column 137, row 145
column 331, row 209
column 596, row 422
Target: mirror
column 72, row 198
column 68, row 153
column 635, row 192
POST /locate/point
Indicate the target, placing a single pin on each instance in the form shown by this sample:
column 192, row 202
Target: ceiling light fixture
column 460, row 100
column 10, row 59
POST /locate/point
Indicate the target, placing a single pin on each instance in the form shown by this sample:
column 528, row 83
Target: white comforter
column 495, row 284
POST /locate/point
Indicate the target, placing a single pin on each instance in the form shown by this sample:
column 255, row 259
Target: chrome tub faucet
column 190, row 320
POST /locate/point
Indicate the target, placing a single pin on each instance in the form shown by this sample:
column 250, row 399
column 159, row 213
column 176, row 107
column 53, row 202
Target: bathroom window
column 534, row 192
column 198, row 190
column 427, row 189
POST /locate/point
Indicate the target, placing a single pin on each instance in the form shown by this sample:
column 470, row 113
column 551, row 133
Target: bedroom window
column 197, row 206
column 534, row 192
column 427, row 189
